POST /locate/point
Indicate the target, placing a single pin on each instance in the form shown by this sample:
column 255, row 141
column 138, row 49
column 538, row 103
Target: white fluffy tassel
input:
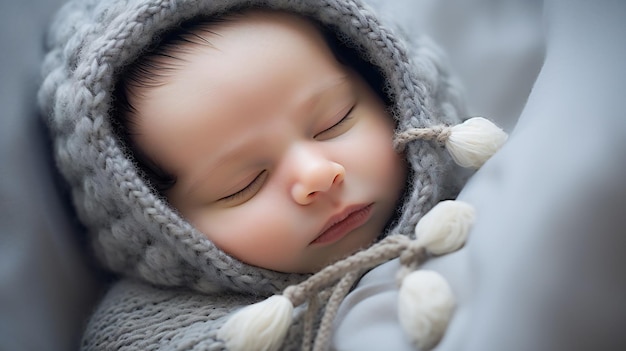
column 425, row 307
column 445, row 227
column 261, row 326
column 474, row 141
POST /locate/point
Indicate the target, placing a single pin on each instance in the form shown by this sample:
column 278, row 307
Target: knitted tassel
column 261, row 326
column 425, row 300
column 474, row 141
column 425, row 307
column 445, row 227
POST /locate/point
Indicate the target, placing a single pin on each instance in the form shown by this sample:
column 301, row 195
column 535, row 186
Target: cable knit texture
column 138, row 235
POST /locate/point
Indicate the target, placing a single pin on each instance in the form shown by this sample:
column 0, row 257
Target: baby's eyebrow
column 331, row 84
column 232, row 153
column 312, row 98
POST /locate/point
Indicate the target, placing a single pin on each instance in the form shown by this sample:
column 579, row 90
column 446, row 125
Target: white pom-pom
column 445, row 227
column 474, row 141
column 425, row 307
column 261, row 326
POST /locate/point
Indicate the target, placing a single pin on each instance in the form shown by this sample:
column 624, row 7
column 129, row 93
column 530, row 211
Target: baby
column 220, row 151
column 264, row 141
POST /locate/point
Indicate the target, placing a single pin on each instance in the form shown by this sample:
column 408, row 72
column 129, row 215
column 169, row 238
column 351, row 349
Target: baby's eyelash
column 253, row 186
column 345, row 118
column 341, row 121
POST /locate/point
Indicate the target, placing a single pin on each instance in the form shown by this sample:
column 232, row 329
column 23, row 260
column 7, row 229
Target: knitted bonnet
column 135, row 232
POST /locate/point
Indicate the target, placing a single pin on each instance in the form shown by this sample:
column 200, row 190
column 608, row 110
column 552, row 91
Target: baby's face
column 283, row 157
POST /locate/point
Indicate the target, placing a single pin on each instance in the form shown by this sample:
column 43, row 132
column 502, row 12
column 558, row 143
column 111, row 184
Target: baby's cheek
column 259, row 234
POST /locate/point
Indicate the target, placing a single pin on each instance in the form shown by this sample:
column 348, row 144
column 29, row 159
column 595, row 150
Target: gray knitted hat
column 133, row 230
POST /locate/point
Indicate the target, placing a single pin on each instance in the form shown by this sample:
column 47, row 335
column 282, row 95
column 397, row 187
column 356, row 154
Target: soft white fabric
column 544, row 265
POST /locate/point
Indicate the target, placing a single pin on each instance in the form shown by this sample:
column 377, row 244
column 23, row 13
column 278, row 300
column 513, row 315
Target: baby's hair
column 151, row 70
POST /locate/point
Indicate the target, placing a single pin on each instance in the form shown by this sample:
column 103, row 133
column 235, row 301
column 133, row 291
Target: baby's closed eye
column 336, row 129
column 247, row 192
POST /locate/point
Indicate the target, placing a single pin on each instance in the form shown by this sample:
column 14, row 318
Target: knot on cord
column 425, row 299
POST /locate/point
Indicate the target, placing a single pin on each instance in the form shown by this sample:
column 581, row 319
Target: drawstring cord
column 470, row 143
column 385, row 250
column 324, row 331
column 263, row 326
column 439, row 133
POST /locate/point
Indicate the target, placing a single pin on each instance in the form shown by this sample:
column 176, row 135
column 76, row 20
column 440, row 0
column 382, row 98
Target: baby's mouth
column 343, row 223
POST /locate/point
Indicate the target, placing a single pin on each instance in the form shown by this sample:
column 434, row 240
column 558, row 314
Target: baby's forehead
column 243, row 33
column 232, row 44
column 255, row 29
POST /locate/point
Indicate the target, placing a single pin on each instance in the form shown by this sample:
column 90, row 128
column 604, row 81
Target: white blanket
column 544, row 265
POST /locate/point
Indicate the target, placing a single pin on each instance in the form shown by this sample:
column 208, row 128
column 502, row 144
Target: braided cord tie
column 309, row 319
column 383, row 251
column 340, row 291
column 414, row 255
column 439, row 133
column 340, row 278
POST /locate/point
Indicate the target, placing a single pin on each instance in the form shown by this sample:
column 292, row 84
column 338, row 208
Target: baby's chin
column 351, row 247
column 312, row 259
